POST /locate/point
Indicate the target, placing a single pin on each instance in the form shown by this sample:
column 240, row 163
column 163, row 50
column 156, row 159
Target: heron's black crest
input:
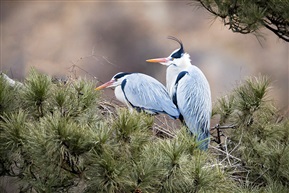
column 120, row 75
column 181, row 51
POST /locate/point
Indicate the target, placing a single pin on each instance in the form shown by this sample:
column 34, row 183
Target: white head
column 115, row 81
column 177, row 58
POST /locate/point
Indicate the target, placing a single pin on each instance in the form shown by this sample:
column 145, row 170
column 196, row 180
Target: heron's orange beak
column 158, row 60
column 105, row 85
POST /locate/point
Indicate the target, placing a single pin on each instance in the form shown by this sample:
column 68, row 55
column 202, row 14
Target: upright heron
column 190, row 91
column 142, row 92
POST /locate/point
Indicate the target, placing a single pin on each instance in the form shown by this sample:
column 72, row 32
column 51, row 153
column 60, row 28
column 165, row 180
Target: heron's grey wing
column 193, row 98
column 147, row 93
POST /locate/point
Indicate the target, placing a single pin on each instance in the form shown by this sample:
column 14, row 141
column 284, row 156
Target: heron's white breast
column 120, row 96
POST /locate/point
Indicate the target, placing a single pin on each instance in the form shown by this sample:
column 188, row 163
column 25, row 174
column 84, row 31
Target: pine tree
column 248, row 16
column 260, row 138
column 59, row 137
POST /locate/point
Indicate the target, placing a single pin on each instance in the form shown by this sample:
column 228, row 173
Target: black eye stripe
column 119, row 75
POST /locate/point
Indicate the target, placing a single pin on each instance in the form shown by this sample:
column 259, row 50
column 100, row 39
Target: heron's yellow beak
column 105, row 85
column 158, row 60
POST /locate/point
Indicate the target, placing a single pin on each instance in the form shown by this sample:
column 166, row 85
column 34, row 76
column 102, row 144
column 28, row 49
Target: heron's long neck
column 174, row 70
column 171, row 76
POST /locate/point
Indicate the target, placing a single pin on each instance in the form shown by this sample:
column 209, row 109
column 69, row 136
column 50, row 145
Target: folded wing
column 146, row 93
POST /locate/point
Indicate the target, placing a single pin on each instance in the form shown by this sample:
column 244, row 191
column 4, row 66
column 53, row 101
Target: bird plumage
column 194, row 102
column 190, row 91
column 143, row 93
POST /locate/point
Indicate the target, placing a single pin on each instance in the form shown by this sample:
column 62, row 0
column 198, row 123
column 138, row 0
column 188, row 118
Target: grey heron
column 190, row 91
column 142, row 92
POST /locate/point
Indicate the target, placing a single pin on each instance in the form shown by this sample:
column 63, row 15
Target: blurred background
column 101, row 38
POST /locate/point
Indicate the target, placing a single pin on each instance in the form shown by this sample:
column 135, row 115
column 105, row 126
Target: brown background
column 52, row 36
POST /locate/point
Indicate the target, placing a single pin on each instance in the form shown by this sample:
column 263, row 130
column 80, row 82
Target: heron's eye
column 172, row 59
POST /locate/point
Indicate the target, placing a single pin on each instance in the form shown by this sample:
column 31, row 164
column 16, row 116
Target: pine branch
column 249, row 16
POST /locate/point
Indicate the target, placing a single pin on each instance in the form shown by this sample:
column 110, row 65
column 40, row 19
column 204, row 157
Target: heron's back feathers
column 146, row 93
column 193, row 96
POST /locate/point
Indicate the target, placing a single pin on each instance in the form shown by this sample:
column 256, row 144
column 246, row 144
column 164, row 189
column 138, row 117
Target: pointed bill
column 158, row 60
column 105, row 85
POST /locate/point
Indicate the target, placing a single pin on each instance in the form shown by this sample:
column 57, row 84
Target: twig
column 82, row 69
column 236, row 146
column 166, row 128
column 217, row 126
column 260, row 176
column 106, row 59
column 157, row 127
column 225, row 153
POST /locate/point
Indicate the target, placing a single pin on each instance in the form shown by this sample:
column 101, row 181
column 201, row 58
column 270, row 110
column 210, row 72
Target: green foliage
column 13, row 130
column 260, row 138
column 75, row 100
column 248, row 16
column 161, row 165
column 44, row 140
column 7, row 96
column 58, row 141
column 36, row 93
